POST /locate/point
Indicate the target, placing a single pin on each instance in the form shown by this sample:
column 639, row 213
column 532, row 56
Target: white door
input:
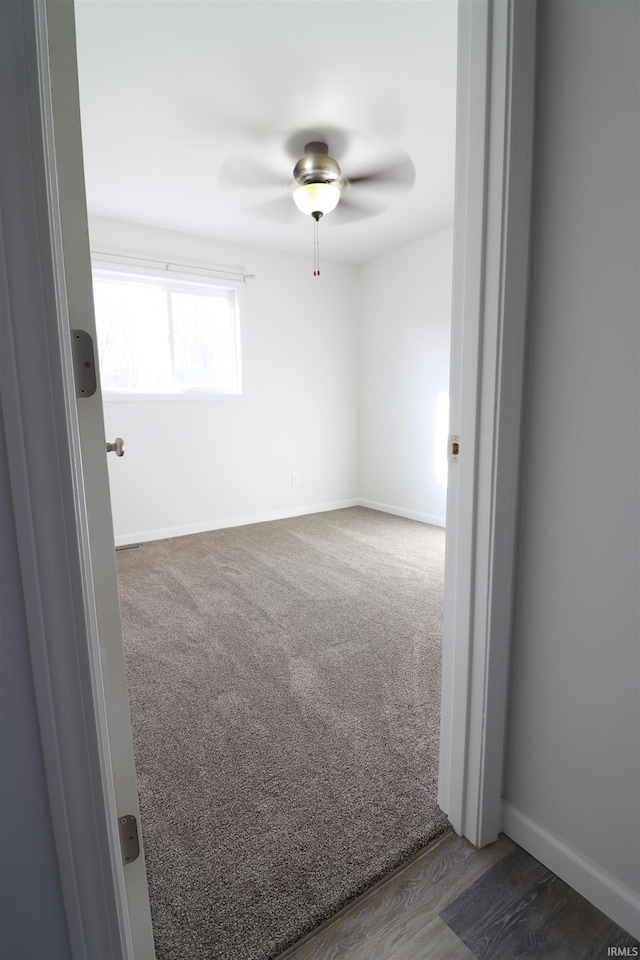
column 77, row 277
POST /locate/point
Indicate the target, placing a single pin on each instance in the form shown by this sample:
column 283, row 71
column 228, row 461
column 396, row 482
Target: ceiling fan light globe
column 316, row 198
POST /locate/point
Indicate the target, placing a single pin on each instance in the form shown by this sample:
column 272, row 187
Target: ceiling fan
column 318, row 184
column 363, row 176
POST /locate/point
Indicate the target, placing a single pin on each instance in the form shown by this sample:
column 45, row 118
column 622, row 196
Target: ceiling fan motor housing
column 316, row 166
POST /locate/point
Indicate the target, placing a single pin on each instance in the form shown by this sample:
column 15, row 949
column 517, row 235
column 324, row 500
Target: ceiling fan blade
column 350, row 211
column 244, row 173
column 276, row 211
column 401, row 173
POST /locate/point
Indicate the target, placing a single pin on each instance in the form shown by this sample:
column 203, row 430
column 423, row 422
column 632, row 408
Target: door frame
column 39, row 409
column 494, row 163
column 491, row 251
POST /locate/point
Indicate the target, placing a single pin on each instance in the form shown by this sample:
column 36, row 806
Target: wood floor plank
column 455, row 902
column 521, row 909
column 435, row 941
column 611, row 935
column 393, row 917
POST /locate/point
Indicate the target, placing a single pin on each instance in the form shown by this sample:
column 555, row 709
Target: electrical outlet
column 295, row 479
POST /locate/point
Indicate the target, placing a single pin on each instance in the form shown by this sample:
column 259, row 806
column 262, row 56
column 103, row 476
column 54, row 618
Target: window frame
column 179, row 281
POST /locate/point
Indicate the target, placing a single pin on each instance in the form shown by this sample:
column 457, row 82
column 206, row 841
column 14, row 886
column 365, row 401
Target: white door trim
column 496, row 73
column 39, row 411
column 491, row 255
column 70, row 247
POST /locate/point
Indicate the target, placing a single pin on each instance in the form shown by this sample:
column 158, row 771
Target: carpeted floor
column 285, row 694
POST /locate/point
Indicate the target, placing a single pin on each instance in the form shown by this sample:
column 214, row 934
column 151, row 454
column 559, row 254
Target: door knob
column 117, row 447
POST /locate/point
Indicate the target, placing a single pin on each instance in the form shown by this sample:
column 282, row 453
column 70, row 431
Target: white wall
column 199, row 464
column 572, row 776
column 332, row 391
column 405, row 331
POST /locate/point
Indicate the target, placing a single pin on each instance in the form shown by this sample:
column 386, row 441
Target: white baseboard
column 166, row 533
column 402, row 512
column 615, row 899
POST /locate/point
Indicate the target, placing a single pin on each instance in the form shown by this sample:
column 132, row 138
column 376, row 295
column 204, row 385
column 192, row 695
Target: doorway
column 306, row 347
column 454, row 751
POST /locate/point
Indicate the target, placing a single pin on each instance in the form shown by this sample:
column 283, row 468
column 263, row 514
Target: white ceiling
column 181, row 97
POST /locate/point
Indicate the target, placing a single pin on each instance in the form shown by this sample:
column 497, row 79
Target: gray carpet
column 285, row 694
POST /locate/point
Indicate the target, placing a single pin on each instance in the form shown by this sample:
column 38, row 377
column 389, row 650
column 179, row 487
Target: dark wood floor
column 454, row 902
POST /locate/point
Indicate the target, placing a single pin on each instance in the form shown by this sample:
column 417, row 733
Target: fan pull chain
column 316, row 244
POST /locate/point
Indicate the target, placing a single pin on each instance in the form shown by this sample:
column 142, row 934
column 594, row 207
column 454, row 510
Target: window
column 165, row 335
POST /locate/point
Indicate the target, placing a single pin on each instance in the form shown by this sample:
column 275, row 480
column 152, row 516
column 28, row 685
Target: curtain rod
column 178, row 267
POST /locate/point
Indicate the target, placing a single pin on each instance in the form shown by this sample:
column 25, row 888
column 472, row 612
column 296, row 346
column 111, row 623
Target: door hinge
column 129, row 843
column 453, row 449
column 84, row 363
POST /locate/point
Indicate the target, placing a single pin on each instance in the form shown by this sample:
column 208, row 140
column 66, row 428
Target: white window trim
column 189, row 279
